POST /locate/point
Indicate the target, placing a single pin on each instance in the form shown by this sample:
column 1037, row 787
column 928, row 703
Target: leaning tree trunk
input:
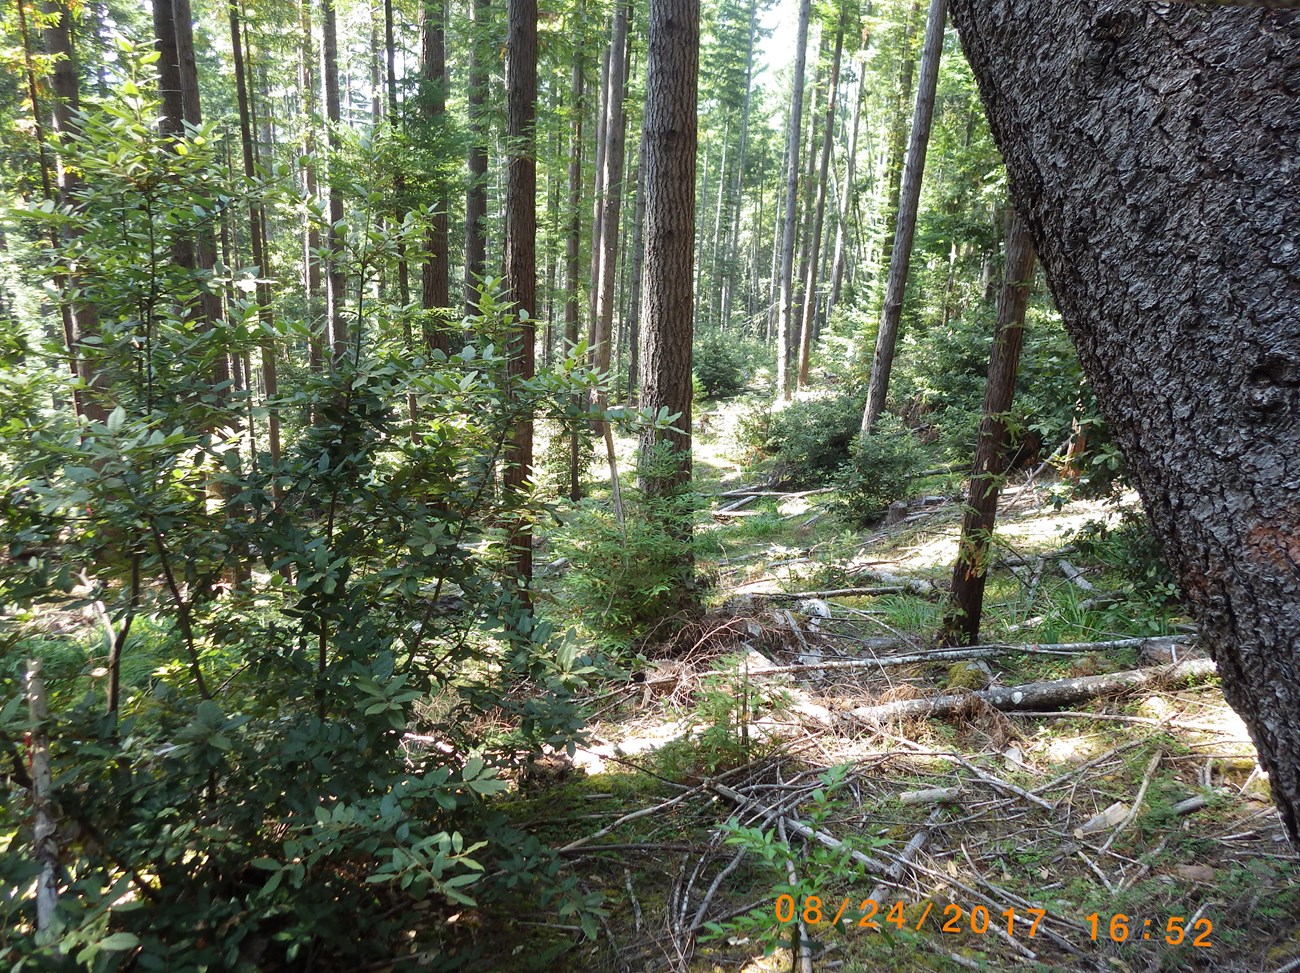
column 961, row 624
column 1152, row 151
column 909, row 199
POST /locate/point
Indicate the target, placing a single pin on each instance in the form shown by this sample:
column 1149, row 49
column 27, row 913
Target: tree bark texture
column 785, row 298
column 572, row 251
column 334, row 276
column 521, row 258
column 1152, row 150
column 610, row 193
column 436, row 278
column 961, row 626
column 476, row 194
column 909, row 199
column 819, row 210
column 670, row 138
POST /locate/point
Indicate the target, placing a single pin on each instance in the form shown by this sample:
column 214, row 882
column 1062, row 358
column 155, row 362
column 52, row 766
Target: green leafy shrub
column 880, row 470
column 719, row 367
column 1131, row 550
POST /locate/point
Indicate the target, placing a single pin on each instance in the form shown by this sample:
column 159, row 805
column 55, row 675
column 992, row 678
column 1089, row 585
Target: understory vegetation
column 365, row 609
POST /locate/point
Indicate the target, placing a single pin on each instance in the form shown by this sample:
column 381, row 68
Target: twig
column 895, row 871
column 1152, row 764
column 805, row 954
column 1098, row 872
column 801, row 829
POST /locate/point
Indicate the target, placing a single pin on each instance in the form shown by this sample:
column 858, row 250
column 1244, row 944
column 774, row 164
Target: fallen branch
column 1037, row 695
column 1076, row 577
column 833, row 593
column 788, row 495
column 954, row 654
column 895, row 871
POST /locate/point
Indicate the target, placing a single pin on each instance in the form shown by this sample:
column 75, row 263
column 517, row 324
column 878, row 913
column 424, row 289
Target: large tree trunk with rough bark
column 669, row 137
column 1152, row 150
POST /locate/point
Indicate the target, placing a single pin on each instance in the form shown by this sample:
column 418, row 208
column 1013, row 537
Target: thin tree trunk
column 738, row 183
column 846, row 195
column 334, row 276
column 638, row 271
column 610, row 195
column 476, row 194
column 521, row 263
column 1152, row 153
column 436, row 280
column 819, row 213
column 311, row 276
column 908, row 202
column 602, row 118
column 572, row 250
column 785, row 300
column 961, row 624
column 257, row 235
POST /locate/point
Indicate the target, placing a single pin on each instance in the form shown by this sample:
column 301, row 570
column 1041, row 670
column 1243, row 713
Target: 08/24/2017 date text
column 952, row 918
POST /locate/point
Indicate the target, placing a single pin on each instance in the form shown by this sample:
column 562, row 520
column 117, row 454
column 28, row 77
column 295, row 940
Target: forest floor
column 736, row 812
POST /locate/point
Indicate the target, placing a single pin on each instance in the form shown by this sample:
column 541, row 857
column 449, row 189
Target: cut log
column 934, row 795
column 1038, row 695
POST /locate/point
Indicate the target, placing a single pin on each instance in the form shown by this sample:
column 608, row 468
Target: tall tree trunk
column 436, row 280
column 846, row 195
column 896, row 146
column 79, row 318
column 819, row 213
column 732, row 241
column 334, row 276
column 311, row 277
column 257, row 234
column 179, row 82
column 908, row 201
column 638, row 272
column 610, row 194
column 602, row 118
column 476, row 193
column 1152, row 152
column 961, row 624
column 521, row 261
column 785, row 299
column 669, row 134
column 572, row 251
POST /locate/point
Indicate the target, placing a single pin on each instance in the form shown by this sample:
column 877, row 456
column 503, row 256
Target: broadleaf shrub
column 251, row 800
